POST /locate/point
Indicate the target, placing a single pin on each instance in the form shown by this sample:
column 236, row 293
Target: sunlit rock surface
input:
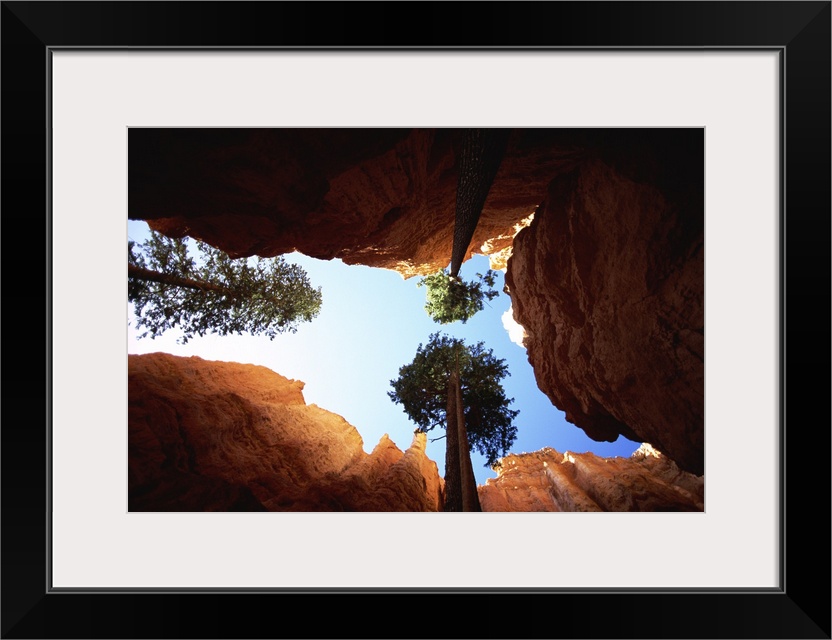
column 223, row 436
column 550, row 481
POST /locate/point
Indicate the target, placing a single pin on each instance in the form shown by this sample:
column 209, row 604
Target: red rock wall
column 550, row 481
column 223, row 436
column 608, row 282
column 378, row 197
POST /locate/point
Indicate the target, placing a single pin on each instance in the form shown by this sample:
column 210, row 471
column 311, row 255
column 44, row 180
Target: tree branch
column 139, row 273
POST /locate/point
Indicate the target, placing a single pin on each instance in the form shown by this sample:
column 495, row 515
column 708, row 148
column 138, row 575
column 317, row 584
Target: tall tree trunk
column 482, row 152
column 470, row 499
column 453, row 486
column 138, row 273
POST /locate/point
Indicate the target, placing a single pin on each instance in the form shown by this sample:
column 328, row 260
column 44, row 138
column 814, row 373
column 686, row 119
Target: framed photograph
column 752, row 78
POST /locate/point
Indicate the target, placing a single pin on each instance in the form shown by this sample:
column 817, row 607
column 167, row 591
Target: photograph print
column 427, row 320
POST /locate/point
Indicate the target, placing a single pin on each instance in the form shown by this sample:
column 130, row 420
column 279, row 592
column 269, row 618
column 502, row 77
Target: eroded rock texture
column 378, row 197
column 550, row 481
column 223, row 436
column 608, row 282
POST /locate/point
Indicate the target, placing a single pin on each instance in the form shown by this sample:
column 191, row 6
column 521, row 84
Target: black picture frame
column 800, row 608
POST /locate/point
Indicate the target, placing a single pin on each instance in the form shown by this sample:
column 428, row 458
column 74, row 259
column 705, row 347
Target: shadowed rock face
column 378, row 197
column 608, row 280
column 550, row 481
column 223, row 436
column 608, row 283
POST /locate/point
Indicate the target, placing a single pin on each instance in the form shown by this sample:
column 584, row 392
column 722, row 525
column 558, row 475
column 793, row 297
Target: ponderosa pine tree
column 216, row 294
column 457, row 387
column 449, row 298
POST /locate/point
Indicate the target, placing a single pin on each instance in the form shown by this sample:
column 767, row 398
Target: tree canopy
column 457, row 387
column 451, row 299
column 215, row 294
column 422, row 390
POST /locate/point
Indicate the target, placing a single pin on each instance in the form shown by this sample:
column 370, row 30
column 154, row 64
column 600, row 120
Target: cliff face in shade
column 550, row 481
column 608, row 283
column 223, row 436
column 607, row 280
column 377, row 197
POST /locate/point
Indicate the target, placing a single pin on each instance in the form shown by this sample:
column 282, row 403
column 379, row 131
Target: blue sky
column 371, row 323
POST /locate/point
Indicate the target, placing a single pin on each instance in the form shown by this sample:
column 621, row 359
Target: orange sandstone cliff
column 550, row 481
column 224, row 436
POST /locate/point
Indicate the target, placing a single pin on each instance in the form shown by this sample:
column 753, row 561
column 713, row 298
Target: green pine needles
column 422, row 390
column 215, row 294
column 451, row 299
